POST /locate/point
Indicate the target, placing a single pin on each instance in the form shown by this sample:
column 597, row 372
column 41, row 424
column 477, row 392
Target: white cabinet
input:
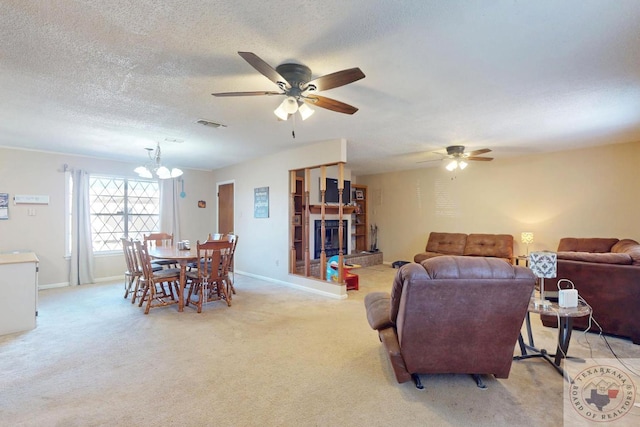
column 18, row 291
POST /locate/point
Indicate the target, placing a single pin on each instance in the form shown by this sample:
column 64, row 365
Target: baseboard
column 65, row 284
column 292, row 285
column 53, row 286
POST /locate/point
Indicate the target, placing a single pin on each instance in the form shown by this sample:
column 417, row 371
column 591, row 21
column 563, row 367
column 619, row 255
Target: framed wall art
column 261, row 202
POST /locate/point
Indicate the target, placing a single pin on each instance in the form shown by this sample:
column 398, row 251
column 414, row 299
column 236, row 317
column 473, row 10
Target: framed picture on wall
column 4, row 205
column 261, row 202
column 359, row 195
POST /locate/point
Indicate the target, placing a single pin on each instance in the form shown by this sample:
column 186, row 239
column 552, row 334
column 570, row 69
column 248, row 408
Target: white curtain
column 81, row 271
column 169, row 209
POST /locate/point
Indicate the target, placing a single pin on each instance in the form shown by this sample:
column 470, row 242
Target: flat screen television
column 331, row 192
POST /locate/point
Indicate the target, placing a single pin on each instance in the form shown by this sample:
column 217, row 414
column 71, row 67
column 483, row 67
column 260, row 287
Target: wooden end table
column 565, row 317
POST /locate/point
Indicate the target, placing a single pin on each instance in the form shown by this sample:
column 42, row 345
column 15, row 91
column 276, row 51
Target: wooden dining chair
column 154, row 292
column 233, row 238
column 210, row 237
column 209, row 282
column 159, row 240
column 133, row 274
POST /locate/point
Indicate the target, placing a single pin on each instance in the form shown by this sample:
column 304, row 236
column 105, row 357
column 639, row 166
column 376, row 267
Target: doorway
column 225, row 208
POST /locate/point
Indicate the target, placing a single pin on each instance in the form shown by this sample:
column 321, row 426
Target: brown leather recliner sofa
column 452, row 314
column 484, row 245
column 606, row 273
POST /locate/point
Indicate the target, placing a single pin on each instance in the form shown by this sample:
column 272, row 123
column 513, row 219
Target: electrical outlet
column 31, row 212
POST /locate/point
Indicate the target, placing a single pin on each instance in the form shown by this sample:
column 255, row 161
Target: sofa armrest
column 378, row 305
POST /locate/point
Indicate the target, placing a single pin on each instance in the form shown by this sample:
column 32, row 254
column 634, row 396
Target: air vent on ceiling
column 174, row 140
column 210, row 123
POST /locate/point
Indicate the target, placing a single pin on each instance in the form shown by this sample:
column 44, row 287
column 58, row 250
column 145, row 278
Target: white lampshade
column 175, row 172
column 143, row 172
column 290, row 105
column 452, row 165
column 281, row 113
column 305, row 111
column 462, row 164
column 163, row 173
column 527, row 237
column 543, row 264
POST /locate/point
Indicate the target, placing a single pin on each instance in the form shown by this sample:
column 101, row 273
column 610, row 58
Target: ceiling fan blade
column 481, row 151
column 330, row 104
column 337, row 79
column 265, row 69
column 261, row 92
column 484, row 159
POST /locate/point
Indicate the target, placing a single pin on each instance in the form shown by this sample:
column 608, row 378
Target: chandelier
column 162, row 172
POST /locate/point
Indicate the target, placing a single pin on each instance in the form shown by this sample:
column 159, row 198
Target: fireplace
column 331, row 237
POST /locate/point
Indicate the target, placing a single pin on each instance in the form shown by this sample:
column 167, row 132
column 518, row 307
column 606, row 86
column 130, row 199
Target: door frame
column 218, row 184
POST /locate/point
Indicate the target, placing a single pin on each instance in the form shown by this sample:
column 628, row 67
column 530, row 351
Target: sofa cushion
column 630, row 247
column 446, row 243
column 494, row 245
column 608, row 258
column 591, row 244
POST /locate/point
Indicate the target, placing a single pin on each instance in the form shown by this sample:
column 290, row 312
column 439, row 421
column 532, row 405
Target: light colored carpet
column 277, row 357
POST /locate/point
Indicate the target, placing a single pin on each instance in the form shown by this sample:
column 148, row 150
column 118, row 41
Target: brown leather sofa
column 484, row 245
column 452, row 314
column 606, row 273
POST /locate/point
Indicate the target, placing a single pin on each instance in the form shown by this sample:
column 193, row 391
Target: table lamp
column 544, row 265
column 527, row 237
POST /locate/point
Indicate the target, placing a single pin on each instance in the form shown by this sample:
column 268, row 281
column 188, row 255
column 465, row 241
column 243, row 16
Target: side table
column 565, row 317
column 524, row 259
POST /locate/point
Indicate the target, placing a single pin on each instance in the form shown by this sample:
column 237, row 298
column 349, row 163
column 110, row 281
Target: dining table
column 182, row 257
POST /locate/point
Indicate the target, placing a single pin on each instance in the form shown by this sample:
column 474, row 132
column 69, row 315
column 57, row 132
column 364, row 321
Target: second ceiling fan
column 300, row 90
column 458, row 158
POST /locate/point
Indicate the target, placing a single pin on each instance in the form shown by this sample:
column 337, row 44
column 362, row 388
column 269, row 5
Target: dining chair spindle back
column 158, row 240
column 133, row 273
column 210, row 280
column 154, row 292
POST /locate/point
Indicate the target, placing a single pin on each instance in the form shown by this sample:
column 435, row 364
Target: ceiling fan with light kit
column 298, row 87
column 459, row 159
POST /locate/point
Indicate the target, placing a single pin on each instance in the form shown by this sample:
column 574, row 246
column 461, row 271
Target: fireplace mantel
column 331, row 209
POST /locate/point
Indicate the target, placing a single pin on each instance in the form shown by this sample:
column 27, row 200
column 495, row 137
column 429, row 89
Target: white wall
column 39, row 173
column 582, row 193
column 263, row 243
column 591, row 192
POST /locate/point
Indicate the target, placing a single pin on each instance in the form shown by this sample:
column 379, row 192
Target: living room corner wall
column 589, row 192
column 263, row 248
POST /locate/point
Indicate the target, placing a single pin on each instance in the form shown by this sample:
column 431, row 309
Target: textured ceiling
column 108, row 79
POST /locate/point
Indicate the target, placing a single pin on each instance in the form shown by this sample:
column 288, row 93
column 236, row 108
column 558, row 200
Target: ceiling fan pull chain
column 293, row 126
